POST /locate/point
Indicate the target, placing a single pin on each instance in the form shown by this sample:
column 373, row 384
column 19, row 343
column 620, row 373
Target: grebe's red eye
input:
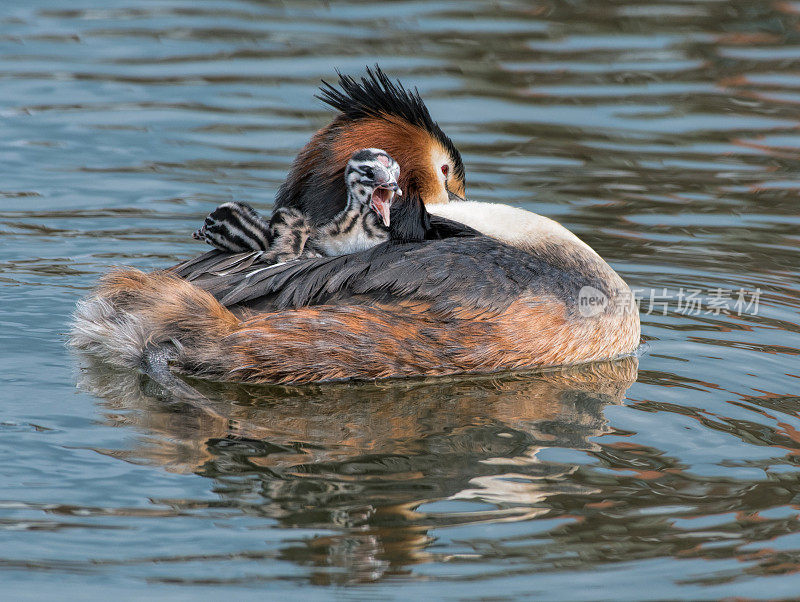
column 445, row 170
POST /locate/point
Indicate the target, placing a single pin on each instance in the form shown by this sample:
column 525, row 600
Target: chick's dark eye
column 446, row 170
column 369, row 172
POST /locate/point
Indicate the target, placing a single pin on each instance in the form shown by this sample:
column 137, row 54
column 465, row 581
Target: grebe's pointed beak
column 452, row 196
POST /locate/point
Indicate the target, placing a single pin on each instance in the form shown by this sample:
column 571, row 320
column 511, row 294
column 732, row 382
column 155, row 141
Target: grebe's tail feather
column 141, row 321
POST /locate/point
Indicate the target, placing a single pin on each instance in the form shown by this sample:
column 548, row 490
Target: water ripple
column 665, row 135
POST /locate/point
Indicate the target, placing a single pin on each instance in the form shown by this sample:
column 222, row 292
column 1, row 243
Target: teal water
column 665, row 135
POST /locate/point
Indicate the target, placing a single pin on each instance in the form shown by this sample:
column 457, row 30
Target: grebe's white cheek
column 438, row 158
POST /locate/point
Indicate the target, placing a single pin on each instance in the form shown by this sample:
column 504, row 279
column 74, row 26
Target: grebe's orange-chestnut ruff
column 460, row 287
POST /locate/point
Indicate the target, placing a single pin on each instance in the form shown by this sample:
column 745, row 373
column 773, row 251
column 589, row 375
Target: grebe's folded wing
column 215, row 263
column 478, row 273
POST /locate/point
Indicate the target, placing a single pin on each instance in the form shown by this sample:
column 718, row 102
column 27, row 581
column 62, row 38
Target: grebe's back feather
column 215, row 263
column 432, row 272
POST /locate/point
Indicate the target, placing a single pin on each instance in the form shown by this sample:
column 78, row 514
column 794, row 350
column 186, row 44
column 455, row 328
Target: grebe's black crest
column 378, row 96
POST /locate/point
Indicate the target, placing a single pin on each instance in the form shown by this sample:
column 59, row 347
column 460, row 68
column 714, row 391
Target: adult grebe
column 437, row 299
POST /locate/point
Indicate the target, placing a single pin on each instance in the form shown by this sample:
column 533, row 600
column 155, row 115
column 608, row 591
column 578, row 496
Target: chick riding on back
column 371, row 181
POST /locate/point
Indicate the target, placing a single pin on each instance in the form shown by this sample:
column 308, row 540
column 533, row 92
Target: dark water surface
column 665, row 135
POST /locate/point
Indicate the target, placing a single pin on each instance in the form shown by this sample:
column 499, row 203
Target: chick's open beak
column 382, row 198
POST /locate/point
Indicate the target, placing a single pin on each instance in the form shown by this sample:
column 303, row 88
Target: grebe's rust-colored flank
column 133, row 311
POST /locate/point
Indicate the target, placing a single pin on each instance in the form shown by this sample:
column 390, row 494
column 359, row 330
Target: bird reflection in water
column 379, row 464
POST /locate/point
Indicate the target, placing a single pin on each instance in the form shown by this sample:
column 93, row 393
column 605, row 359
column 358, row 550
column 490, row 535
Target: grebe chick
column 371, row 182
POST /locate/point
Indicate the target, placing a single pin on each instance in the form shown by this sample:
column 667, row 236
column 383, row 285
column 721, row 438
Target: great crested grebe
column 371, row 182
column 438, row 298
